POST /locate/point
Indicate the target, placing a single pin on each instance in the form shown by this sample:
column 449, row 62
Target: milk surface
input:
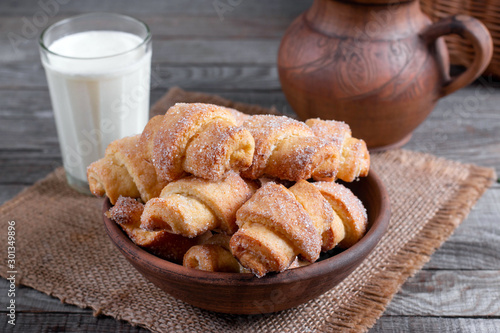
column 99, row 86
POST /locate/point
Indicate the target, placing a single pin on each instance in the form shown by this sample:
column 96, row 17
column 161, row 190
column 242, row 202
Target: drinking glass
column 98, row 70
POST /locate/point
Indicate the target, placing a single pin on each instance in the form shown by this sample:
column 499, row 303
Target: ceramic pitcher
column 380, row 66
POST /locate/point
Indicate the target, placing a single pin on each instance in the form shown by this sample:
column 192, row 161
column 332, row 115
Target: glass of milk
column 98, row 70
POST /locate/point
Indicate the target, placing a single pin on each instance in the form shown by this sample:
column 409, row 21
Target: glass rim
column 66, row 20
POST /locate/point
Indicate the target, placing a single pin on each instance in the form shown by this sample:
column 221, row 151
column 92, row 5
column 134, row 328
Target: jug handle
column 468, row 28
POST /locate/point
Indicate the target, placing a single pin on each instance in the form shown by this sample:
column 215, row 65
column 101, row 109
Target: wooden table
column 234, row 55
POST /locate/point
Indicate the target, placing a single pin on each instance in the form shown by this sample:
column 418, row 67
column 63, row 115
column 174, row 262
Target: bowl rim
column 335, row 263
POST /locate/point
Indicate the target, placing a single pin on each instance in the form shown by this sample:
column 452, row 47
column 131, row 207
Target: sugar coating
column 182, row 124
column 268, row 131
column 348, row 207
column 276, row 208
column 192, row 205
column 127, row 213
column 219, row 146
column 354, row 159
column 331, row 130
column 124, row 171
column 274, row 224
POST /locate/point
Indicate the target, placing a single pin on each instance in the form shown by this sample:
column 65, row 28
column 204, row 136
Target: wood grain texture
column 474, row 244
column 465, row 126
column 194, row 51
column 32, row 300
column 23, row 75
column 245, row 9
column 7, row 192
column 396, row 324
column 449, row 293
column 66, row 322
column 179, row 26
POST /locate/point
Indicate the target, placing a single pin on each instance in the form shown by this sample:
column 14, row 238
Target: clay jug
column 379, row 66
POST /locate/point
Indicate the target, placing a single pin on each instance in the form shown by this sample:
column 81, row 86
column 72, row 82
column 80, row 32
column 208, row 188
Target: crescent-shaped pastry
column 288, row 149
column 146, row 140
column 201, row 139
column 213, row 255
column 354, row 157
column 124, row 171
column 277, row 224
column 349, row 208
column 191, row 206
column 325, row 219
column 127, row 213
column 274, row 229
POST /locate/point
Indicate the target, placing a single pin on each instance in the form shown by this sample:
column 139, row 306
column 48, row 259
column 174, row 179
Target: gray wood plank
column 397, row 324
column 35, row 303
column 25, row 172
column 7, row 192
column 66, row 322
column 31, row 300
column 449, row 293
column 465, row 126
column 192, row 51
column 18, row 76
column 171, row 26
column 474, row 244
column 241, row 8
column 41, row 322
column 429, row 293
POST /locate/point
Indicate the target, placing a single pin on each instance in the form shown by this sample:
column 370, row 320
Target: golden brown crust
column 297, row 158
column 325, row 220
column 219, row 239
column 274, row 228
column 354, row 158
column 147, row 137
column 219, row 147
column 190, row 206
column 277, row 224
column 261, row 250
column 349, row 208
column 127, row 213
column 212, row 255
column 267, row 131
column 124, row 171
column 297, row 263
column 239, row 117
column 288, row 149
column 211, row 258
column 331, row 130
column 181, row 124
column 108, row 177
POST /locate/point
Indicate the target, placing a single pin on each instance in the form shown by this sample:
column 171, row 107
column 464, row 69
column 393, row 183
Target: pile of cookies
column 219, row 190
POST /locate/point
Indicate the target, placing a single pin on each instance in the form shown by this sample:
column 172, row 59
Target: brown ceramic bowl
column 244, row 293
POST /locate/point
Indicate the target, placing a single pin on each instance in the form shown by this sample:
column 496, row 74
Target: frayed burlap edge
column 362, row 312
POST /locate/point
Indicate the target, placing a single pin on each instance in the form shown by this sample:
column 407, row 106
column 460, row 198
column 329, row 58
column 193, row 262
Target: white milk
column 97, row 99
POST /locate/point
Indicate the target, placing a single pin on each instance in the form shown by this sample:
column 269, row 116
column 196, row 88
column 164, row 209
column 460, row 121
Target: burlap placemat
column 63, row 250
